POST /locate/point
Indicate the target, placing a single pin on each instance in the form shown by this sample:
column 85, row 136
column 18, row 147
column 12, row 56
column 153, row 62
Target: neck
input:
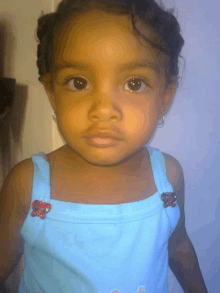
column 129, row 167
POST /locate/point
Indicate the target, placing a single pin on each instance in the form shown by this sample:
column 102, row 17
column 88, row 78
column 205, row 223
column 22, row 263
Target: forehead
column 103, row 39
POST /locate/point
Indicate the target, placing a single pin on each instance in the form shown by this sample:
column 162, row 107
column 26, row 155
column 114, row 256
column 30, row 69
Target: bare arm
column 183, row 260
column 13, row 214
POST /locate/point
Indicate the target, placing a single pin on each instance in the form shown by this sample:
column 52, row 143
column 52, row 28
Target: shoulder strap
column 159, row 170
column 40, row 191
column 41, row 181
column 163, row 185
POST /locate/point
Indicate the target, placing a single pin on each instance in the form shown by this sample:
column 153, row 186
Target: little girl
column 104, row 213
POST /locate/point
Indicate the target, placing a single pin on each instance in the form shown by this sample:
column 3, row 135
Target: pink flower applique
column 169, row 199
column 40, row 209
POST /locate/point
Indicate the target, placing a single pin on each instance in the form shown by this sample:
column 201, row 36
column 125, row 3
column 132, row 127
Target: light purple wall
column 191, row 133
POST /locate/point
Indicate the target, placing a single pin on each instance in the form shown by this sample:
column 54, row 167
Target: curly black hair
column 163, row 24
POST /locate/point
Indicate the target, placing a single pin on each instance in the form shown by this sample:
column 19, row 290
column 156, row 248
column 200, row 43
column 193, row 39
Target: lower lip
column 101, row 142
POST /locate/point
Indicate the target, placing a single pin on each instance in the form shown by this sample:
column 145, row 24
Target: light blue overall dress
column 84, row 248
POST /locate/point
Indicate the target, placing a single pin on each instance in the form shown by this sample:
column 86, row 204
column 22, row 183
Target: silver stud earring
column 161, row 122
column 54, row 116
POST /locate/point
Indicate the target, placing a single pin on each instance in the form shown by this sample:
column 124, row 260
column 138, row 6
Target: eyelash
column 69, row 78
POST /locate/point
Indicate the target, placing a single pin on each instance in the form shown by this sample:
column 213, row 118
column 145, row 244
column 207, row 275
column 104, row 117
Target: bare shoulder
column 174, row 171
column 23, row 176
column 176, row 178
column 14, row 205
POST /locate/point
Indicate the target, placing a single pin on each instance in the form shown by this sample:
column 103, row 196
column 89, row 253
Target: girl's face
column 100, row 48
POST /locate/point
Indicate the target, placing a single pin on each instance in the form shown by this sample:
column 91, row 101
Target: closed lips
column 103, row 135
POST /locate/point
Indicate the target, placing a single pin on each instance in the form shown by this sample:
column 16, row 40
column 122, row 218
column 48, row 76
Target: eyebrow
column 124, row 67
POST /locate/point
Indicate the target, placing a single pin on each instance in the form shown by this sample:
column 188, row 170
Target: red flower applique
column 169, row 199
column 40, row 209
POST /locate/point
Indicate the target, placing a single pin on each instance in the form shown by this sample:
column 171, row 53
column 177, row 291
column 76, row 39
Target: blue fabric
column 83, row 248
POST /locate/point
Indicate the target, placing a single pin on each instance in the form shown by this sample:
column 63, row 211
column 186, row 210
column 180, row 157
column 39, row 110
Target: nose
column 105, row 109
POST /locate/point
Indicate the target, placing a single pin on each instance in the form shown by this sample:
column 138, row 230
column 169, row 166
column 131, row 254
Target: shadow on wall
column 11, row 129
column 13, row 100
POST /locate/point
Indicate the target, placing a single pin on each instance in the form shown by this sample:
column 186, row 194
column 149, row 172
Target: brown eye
column 76, row 83
column 135, row 84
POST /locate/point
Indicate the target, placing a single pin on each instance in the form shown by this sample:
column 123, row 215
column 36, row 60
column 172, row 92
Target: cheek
column 133, row 120
column 72, row 115
column 76, row 119
column 140, row 120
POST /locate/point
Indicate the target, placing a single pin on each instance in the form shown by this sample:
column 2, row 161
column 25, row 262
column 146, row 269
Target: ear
column 49, row 90
column 168, row 98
